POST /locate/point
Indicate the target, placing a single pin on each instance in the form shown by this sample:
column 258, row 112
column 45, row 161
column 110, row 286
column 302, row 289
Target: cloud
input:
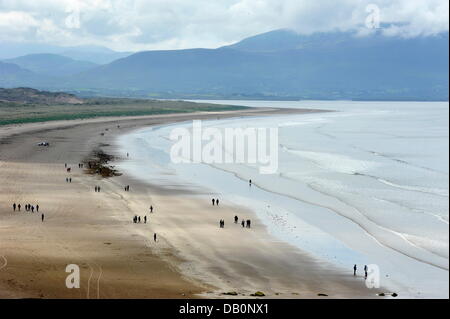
column 16, row 23
column 174, row 24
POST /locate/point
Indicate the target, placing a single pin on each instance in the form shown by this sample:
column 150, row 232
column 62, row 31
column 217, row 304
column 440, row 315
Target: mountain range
column 280, row 64
column 91, row 53
column 51, row 64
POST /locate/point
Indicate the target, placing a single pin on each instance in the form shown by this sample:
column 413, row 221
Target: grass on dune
column 14, row 113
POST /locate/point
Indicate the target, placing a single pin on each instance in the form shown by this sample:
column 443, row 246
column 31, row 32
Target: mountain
column 193, row 70
column 13, row 75
column 32, row 96
column 284, row 40
column 51, row 64
column 281, row 65
column 285, row 64
column 93, row 54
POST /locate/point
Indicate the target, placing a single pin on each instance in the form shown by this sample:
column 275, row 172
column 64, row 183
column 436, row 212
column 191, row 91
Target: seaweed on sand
column 97, row 164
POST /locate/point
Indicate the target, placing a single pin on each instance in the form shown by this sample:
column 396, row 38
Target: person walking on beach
column 213, row 201
column 154, row 237
column 151, row 209
column 354, row 270
column 14, row 207
column 42, row 217
column 37, row 208
column 217, row 202
column 32, row 209
column 243, row 223
column 70, row 180
column 365, row 271
column 145, row 219
column 250, row 182
column 18, row 207
column 139, row 219
column 235, row 219
column 95, row 189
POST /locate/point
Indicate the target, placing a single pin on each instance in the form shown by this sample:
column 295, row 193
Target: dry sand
column 192, row 257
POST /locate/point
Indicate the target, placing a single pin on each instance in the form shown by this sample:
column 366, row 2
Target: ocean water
column 366, row 184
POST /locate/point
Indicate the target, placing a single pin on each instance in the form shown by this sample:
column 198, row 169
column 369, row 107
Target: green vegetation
column 33, row 96
column 258, row 294
column 15, row 113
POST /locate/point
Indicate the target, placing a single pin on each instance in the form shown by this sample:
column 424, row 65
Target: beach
column 360, row 185
column 192, row 257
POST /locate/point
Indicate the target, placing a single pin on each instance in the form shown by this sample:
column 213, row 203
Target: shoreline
column 108, row 246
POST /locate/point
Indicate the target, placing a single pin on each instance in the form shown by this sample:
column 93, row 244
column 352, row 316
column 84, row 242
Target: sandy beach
column 192, row 257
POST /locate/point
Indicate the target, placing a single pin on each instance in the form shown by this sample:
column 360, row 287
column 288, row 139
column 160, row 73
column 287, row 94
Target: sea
column 365, row 184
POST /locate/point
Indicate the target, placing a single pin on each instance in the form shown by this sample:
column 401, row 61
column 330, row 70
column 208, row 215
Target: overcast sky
column 131, row 25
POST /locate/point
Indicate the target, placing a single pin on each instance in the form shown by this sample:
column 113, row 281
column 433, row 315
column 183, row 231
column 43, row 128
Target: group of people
column 28, row 208
column 366, row 269
column 68, row 179
column 244, row 223
column 80, row 165
column 97, row 189
column 127, row 188
column 215, row 201
column 137, row 219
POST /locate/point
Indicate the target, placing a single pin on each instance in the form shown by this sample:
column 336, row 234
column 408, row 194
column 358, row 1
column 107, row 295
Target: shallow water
column 367, row 184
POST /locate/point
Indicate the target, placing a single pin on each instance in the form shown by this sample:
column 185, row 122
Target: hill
column 90, row 53
column 51, row 64
column 278, row 65
column 282, row 63
column 33, row 96
column 12, row 75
